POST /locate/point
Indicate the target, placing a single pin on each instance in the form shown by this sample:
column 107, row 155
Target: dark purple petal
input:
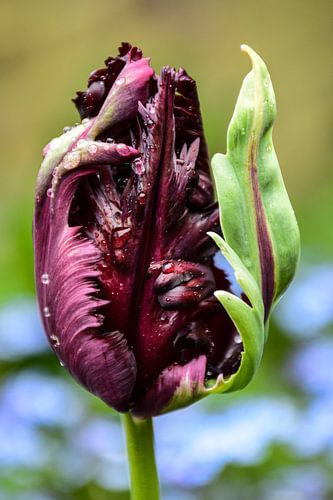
column 121, row 233
column 66, row 273
column 184, row 382
column 100, row 81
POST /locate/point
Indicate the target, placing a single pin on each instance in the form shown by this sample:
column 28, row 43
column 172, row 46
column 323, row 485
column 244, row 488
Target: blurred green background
column 47, row 51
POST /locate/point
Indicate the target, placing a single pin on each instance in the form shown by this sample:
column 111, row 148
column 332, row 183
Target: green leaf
column 248, row 320
column 256, row 216
column 261, row 237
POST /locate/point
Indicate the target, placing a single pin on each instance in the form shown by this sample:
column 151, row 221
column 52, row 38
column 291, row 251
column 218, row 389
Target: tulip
column 127, row 228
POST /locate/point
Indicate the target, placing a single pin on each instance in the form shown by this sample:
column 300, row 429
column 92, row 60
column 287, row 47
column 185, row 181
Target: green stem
column 141, row 457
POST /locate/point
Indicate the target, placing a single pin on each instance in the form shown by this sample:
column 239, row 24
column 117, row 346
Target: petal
column 66, row 279
column 130, row 87
column 100, row 81
column 177, row 386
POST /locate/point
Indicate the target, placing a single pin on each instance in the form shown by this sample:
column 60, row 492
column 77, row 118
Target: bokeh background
column 275, row 439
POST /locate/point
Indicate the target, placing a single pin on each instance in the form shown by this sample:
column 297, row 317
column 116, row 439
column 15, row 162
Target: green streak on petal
column 55, row 154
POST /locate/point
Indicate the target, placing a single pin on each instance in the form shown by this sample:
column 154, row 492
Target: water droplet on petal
column 67, row 129
column 168, row 268
column 142, row 198
column 237, row 339
column 71, row 160
column 45, row 279
column 92, row 148
column 49, row 193
column 120, row 81
column 122, row 148
column 119, row 256
column 110, row 140
column 54, row 341
column 120, row 236
column 163, row 318
column 138, row 167
column 46, row 312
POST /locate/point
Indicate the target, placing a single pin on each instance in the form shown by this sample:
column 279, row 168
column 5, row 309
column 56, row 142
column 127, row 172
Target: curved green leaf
column 257, row 219
column 261, row 237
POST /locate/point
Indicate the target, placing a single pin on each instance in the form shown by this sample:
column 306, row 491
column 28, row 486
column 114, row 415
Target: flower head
column 131, row 300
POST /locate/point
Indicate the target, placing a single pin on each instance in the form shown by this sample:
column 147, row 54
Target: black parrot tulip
column 132, row 302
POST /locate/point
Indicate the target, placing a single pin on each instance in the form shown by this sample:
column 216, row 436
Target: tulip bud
column 125, row 234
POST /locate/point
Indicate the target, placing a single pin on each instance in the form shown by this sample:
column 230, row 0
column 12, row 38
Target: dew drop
column 110, row 140
column 269, row 148
column 61, row 363
column 243, row 130
column 121, row 286
column 54, row 341
column 92, row 148
column 149, row 122
column 46, row 312
column 71, row 160
column 138, row 167
column 237, row 339
column 120, row 81
column 120, row 237
column 168, row 268
column 163, row 318
column 49, row 193
column 85, row 120
column 122, row 148
column 67, row 129
column 45, row 279
column 142, row 198
column 119, row 255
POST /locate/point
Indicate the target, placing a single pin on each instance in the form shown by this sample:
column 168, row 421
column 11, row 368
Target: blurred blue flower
column 194, row 446
column 32, row 495
column 21, row 332
column 73, row 467
column 103, row 441
column 20, row 445
column 221, row 263
column 314, row 433
column 297, row 483
column 311, row 366
column 307, row 307
column 40, row 399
